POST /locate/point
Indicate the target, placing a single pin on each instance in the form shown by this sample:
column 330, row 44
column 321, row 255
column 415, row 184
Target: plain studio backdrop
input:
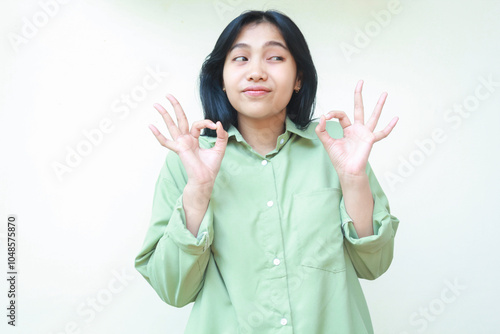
column 79, row 164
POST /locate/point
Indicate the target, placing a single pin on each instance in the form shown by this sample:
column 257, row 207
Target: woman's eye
column 239, row 57
column 278, row 57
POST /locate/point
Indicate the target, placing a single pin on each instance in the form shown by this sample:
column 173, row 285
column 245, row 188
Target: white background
column 67, row 66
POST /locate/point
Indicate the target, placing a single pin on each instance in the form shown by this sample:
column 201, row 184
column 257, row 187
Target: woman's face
column 259, row 57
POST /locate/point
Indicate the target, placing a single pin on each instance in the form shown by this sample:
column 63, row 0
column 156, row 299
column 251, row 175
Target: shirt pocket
column 315, row 217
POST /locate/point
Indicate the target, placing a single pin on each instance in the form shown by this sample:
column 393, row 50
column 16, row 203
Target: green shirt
column 276, row 251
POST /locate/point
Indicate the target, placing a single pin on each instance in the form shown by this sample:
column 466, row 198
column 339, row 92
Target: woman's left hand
column 349, row 154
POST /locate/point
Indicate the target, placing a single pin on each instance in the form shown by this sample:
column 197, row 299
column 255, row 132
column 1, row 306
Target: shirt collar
column 308, row 133
column 290, row 126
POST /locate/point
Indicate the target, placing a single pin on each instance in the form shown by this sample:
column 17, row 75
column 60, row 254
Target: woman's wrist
column 197, row 196
column 353, row 180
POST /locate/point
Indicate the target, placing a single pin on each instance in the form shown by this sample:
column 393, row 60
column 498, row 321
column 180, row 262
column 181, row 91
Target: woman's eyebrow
column 267, row 44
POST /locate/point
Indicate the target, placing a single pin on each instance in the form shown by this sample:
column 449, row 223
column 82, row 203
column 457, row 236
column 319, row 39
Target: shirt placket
column 276, row 276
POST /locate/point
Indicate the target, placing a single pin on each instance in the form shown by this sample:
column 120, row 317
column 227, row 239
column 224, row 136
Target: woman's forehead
column 254, row 32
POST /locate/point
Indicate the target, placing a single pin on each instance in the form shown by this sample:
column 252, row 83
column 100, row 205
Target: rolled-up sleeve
column 172, row 260
column 372, row 255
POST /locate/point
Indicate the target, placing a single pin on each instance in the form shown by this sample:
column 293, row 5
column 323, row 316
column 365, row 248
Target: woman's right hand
column 202, row 165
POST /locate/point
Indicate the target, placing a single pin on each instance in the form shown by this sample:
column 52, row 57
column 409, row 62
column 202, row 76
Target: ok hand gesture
column 349, row 155
column 202, row 165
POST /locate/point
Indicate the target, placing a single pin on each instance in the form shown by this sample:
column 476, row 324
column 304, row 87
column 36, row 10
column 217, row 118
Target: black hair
column 216, row 105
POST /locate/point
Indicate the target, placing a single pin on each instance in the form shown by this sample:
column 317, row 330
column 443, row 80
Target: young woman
column 268, row 219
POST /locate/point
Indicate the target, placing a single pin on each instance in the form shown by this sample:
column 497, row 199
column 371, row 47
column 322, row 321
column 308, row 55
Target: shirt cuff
column 383, row 229
column 183, row 238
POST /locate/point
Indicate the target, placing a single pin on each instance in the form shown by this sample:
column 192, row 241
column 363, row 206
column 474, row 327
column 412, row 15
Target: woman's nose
column 257, row 71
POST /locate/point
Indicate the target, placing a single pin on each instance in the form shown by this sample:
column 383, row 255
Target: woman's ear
column 298, row 82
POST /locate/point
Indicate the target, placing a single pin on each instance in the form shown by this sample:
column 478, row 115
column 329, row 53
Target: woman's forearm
column 358, row 202
column 195, row 203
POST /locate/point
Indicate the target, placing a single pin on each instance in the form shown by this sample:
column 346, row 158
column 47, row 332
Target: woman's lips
column 256, row 92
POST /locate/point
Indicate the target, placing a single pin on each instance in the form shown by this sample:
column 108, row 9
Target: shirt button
column 276, row 262
column 281, row 142
column 270, row 203
column 284, row 321
column 264, row 162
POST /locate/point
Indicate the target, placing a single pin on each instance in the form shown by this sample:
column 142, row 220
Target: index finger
column 359, row 115
column 372, row 122
column 172, row 128
column 182, row 121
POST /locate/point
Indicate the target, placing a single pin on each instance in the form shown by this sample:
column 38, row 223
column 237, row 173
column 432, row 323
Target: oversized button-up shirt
column 276, row 251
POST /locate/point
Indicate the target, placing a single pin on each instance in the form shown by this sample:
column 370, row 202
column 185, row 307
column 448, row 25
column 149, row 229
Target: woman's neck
column 262, row 134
